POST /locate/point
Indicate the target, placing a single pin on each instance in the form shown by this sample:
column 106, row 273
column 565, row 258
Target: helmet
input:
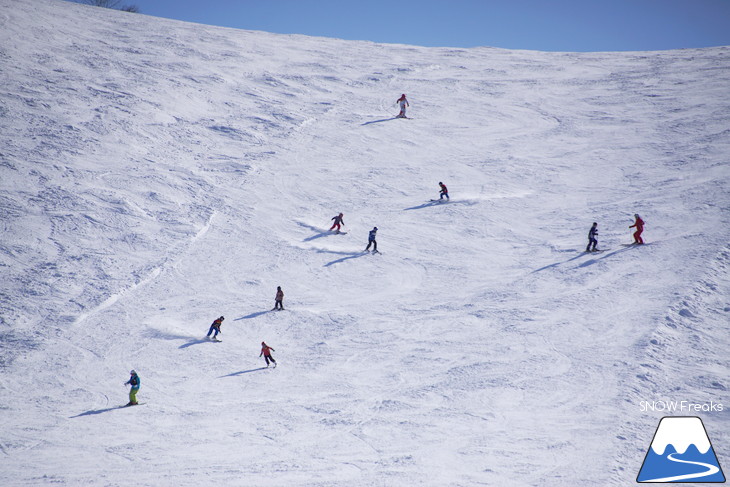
column 636, row 215
column 375, row 228
column 133, row 372
column 440, row 182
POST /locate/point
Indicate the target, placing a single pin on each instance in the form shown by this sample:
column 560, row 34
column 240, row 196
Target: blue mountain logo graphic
column 681, row 452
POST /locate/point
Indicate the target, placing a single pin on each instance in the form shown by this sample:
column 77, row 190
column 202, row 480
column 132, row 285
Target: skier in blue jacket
column 371, row 240
column 215, row 328
column 135, row 383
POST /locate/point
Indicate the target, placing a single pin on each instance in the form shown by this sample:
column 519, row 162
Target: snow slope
column 157, row 174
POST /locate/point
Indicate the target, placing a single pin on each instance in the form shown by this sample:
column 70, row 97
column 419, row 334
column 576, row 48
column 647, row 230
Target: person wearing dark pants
column 279, row 299
column 266, row 352
column 371, row 240
column 592, row 242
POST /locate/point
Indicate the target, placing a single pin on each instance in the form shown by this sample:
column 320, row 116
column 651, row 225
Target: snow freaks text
column 680, row 406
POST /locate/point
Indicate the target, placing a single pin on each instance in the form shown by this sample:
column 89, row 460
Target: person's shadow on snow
column 253, row 315
column 378, row 121
column 319, row 232
column 195, row 342
column 242, row 372
column 425, row 205
column 165, row 335
column 348, row 256
column 97, row 411
column 594, row 258
column 429, row 204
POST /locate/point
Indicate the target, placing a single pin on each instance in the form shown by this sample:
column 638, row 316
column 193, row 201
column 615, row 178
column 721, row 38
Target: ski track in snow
column 157, row 174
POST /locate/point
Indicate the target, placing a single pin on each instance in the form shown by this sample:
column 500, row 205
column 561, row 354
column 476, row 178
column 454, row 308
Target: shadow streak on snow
column 556, row 264
column 242, row 372
column 319, row 233
column 425, row 205
column 595, row 258
column 164, row 335
column 431, row 203
column 348, row 256
column 253, row 315
column 96, row 411
column 605, row 256
column 379, row 121
column 196, row 342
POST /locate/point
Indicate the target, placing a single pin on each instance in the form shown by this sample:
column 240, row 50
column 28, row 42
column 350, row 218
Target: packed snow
column 155, row 175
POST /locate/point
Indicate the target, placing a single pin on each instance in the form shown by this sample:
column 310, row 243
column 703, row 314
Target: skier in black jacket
column 592, row 238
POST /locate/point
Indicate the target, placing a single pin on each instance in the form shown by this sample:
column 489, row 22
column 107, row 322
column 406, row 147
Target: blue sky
column 546, row 25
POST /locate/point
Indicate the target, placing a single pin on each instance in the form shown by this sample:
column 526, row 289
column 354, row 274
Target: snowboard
column 130, row 405
column 440, row 201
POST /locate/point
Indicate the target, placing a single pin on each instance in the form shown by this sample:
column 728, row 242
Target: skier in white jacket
column 403, row 103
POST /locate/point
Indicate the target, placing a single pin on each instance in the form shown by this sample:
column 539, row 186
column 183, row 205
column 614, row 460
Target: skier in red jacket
column 639, row 229
column 266, row 352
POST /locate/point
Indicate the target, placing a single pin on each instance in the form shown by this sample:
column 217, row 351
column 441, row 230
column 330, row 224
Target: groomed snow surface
column 155, row 175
